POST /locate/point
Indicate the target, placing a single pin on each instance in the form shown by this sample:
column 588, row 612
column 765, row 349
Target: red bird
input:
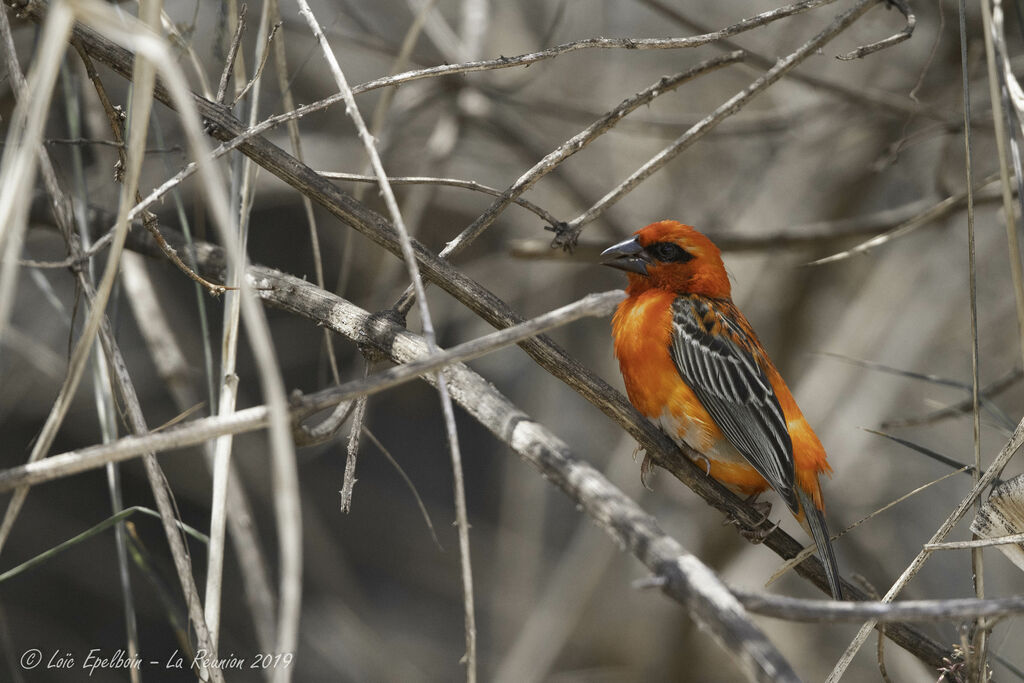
column 693, row 365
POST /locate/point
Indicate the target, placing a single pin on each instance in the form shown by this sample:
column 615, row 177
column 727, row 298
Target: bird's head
column 670, row 256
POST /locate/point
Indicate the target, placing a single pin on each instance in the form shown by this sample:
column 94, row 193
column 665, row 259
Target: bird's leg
column 763, row 507
column 760, row 531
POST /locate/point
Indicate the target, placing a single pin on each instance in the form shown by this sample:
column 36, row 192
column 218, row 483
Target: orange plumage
column 692, row 364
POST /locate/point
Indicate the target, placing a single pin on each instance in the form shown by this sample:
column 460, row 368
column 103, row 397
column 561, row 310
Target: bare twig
column 288, row 101
column 796, row 609
column 570, row 233
column 908, row 30
column 940, row 210
column 554, row 159
column 348, row 481
column 259, row 68
column 859, row 96
column 229, row 63
column 592, row 43
column 450, row 182
column 810, row 235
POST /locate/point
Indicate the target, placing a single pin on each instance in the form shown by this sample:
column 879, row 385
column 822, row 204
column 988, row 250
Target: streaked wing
column 711, row 353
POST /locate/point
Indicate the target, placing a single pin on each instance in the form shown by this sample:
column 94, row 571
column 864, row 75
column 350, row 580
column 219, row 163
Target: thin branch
column 568, row 235
column 203, row 429
column 556, row 157
column 114, row 519
column 450, row 182
column 822, row 233
column 937, row 457
column 259, row 68
column 940, row 210
column 327, row 429
column 830, row 611
column 348, row 481
column 908, row 30
column 229, row 63
column 859, row 96
column 288, row 102
column 174, row 149
column 592, row 43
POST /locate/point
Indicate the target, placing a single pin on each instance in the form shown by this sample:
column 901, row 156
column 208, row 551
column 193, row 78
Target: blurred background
column 836, row 153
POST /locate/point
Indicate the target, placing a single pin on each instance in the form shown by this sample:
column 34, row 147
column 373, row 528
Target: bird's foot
column 762, row 528
column 763, row 507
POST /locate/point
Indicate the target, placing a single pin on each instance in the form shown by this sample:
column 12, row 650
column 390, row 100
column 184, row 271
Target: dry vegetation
column 380, row 528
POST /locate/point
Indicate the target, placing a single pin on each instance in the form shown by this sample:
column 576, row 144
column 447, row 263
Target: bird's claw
column 707, row 462
column 646, row 467
column 760, row 531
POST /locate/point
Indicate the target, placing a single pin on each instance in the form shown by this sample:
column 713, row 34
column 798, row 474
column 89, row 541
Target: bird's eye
column 669, row 252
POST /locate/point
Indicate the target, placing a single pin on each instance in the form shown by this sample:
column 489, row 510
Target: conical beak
column 628, row 255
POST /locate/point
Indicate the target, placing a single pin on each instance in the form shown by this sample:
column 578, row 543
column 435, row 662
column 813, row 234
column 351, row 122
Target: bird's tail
column 814, row 519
